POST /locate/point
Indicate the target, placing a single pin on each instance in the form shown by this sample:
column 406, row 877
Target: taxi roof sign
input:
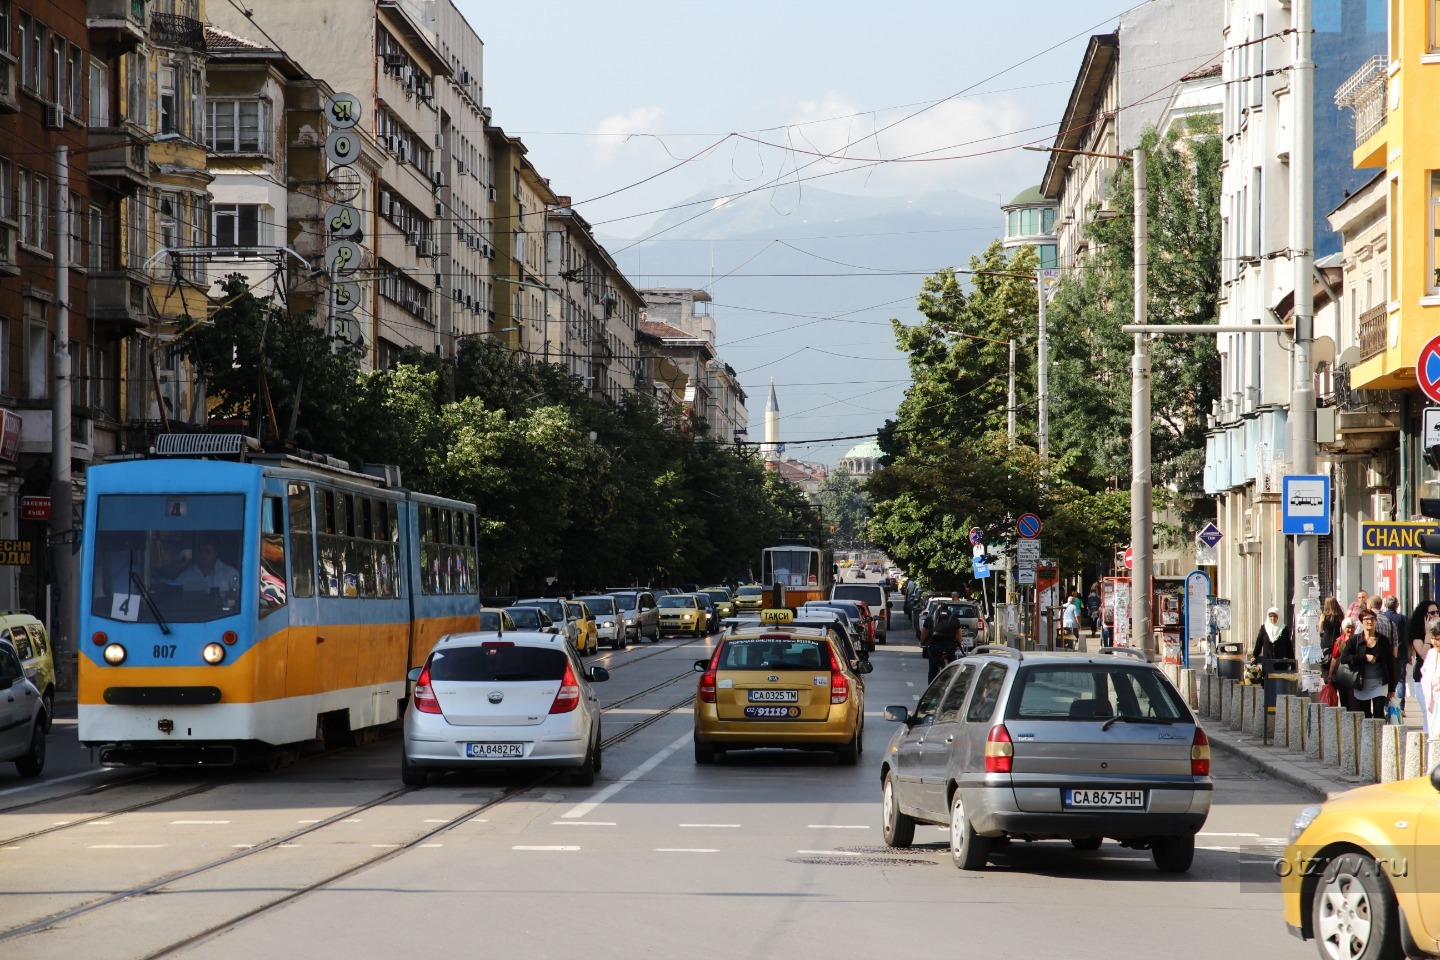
column 777, row 615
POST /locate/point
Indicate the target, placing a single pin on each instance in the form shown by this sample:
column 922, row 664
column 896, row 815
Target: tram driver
column 210, row 573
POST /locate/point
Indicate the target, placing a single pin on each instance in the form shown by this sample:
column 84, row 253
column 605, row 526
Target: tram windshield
column 168, row 557
column 794, row 567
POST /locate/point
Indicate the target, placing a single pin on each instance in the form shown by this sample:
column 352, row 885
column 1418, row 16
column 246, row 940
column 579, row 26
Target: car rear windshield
column 848, row 591
column 497, row 664
column 626, row 601
column 556, row 608
column 719, row 596
column 671, row 603
column 1086, row 691
column 600, row 605
column 523, row 617
column 775, row 654
column 489, row 620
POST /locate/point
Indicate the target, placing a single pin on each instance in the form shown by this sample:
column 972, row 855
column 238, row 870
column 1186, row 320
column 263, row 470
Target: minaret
column 772, row 447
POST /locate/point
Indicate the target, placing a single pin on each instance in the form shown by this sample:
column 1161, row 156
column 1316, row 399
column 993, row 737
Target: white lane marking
column 909, row 683
column 711, row 826
column 350, row 821
column 585, row 808
column 241, row 846
column 126, row 846
column 100, row 823
column 479, row 820
column 429, row 845
column 554, row 849
column 831, row 853
column 46, row 783
column 384, row 846
column 198, row 823
column 1270, row 862
column 307, row 821
column 436, row 821
column 289, row 846
column 582, row 823
column 62, row 823
column 837, row 826
column 687, row 850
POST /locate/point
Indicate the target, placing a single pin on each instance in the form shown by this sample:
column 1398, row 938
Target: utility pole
column 1010, row 418
column 62, row 529
column 1042, row 381
column 1302, row 253
column 1141, row 522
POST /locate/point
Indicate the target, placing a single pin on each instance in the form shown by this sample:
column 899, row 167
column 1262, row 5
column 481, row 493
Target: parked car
column 682, row 613
column 482, row 702
column 1049, row 746
column 531, row 618
column 609, row 625
column 967, row 612
column 23, row 720
column 875, row 596
column 642, row 617
column 1357, row 870
column 32, row 643
column 790, row 687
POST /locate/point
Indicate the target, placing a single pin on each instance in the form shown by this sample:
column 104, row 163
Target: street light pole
column 1010, row 419
column 1042, row 380
column 1141, row 521
column 1302, row 253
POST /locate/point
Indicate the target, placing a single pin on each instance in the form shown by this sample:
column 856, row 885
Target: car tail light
column 706, row 689
column 425, row 700
column 1200, row 754
column 999, row 751
column 569, row 696
column 839, row 683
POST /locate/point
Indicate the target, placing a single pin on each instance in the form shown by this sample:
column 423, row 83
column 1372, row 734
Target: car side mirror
column 597, row 674
column 414, row 675
column 897, row 714
column 702, row 665
column 1435, row 778
column 864, row 666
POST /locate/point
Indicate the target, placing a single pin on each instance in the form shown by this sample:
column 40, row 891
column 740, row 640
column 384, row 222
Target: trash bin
column 1281, row 679
column 1230, row 662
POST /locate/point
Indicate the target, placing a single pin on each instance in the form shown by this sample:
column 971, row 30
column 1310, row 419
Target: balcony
column 117, row 22
column 119, row 158
column 170, row 30
column 9, row 239
column 119, row 297
column 1365, row 95
column 1374, row 332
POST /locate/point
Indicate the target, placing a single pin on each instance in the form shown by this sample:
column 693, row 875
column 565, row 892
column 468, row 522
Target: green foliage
column 844, row 506
column 587, row 493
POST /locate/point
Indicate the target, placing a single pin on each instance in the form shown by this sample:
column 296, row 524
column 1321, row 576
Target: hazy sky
column 609, row 94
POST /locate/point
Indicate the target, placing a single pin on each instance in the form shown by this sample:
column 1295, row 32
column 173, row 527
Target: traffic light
column 1430, row 507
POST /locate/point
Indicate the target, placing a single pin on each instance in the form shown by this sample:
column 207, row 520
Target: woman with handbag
column 1339, row 692
column 1372, row 661
column 1417, row 645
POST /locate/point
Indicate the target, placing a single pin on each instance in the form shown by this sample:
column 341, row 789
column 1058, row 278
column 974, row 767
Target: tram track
column 159, row 885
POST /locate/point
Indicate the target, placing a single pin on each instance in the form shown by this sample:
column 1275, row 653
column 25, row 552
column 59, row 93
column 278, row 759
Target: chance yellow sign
column 778, row 615
column 1403, row 536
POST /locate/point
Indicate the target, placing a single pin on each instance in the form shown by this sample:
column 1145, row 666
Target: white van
column 872, row 594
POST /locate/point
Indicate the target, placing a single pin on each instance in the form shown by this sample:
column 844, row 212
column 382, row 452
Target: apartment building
column 710, row 387
column 526, row 313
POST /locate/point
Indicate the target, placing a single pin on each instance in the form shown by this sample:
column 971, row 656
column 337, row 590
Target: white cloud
column 615, row 130
column 976, row 128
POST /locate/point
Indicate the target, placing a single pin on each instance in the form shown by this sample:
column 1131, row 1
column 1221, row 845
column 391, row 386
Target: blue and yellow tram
column 233, row 607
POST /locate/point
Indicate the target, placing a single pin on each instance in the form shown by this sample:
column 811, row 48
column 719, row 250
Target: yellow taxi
column 587, row 636
column 749, row 597
column 724, row 601
column 1359, row 873
column 682, row 613
column 779, row 685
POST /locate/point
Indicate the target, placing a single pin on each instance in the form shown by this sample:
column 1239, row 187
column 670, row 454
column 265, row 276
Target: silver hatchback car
column 521, row 700
column 1049, row 746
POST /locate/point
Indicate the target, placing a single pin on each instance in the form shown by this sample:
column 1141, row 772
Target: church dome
column 870, row 449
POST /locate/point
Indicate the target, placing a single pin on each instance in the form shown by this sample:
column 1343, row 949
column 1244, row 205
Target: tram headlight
column 114, row 654
column 213, row 653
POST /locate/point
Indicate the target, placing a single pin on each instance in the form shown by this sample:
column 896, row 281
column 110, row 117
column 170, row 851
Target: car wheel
column 968, row 850
column 585, row 775
column 49, row 700
column 1353, row 914
column 850, row 753
column 897, row 828
column 1086, row 843
column 1174, row 854
column 33, row 762
column 704, row 754
column 599, row 747
column 411, row 775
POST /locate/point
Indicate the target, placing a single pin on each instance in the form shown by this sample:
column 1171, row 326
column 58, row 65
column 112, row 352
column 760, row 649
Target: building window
column 75, row 83
column 7, row 191
column 1047, row 220
column 195, row 115
column 99, row 94
column 57, row 68
column 97, row 375
column 37, row 350
column 237, row 126
column 167, row 209
column 167, row 106
column 1434, row 285
column 137, row 95
column 7, row 22
column 102, row 251
column 236, row 224
column 136, row 230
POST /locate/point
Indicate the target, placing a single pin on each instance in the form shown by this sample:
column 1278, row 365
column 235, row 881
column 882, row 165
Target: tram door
column 298, row 519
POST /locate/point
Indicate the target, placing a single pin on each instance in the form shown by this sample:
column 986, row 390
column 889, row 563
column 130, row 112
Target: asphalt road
column 762, row 855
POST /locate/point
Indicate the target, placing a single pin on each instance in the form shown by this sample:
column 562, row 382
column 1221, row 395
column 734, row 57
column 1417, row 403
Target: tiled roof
column 1204, row 73
column 664, row 331
column 217, row 39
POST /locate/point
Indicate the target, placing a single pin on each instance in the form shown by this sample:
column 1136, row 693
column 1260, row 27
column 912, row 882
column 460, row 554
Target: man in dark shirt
column 944, row 643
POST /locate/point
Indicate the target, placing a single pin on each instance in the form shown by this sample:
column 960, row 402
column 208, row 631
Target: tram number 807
column 164, row 651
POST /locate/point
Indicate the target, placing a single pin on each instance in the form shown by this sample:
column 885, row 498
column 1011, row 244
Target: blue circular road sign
column 1028, row 526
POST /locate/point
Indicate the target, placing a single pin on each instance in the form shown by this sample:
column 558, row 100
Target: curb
column 1278, row 768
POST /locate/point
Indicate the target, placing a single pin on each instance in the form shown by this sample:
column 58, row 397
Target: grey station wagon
column 1049, row 746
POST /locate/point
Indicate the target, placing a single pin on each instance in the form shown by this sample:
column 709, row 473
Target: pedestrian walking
column 1422, row 673
column 1070, row 625
column 1273, row 641
column 944, row 642
column 1430, row 677
column 1403, row 656
column 1373, row 660
column 1361, row 602
column 1337, row 652
column 1092, row 608
column 1331, row 616
column 1384, row 628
